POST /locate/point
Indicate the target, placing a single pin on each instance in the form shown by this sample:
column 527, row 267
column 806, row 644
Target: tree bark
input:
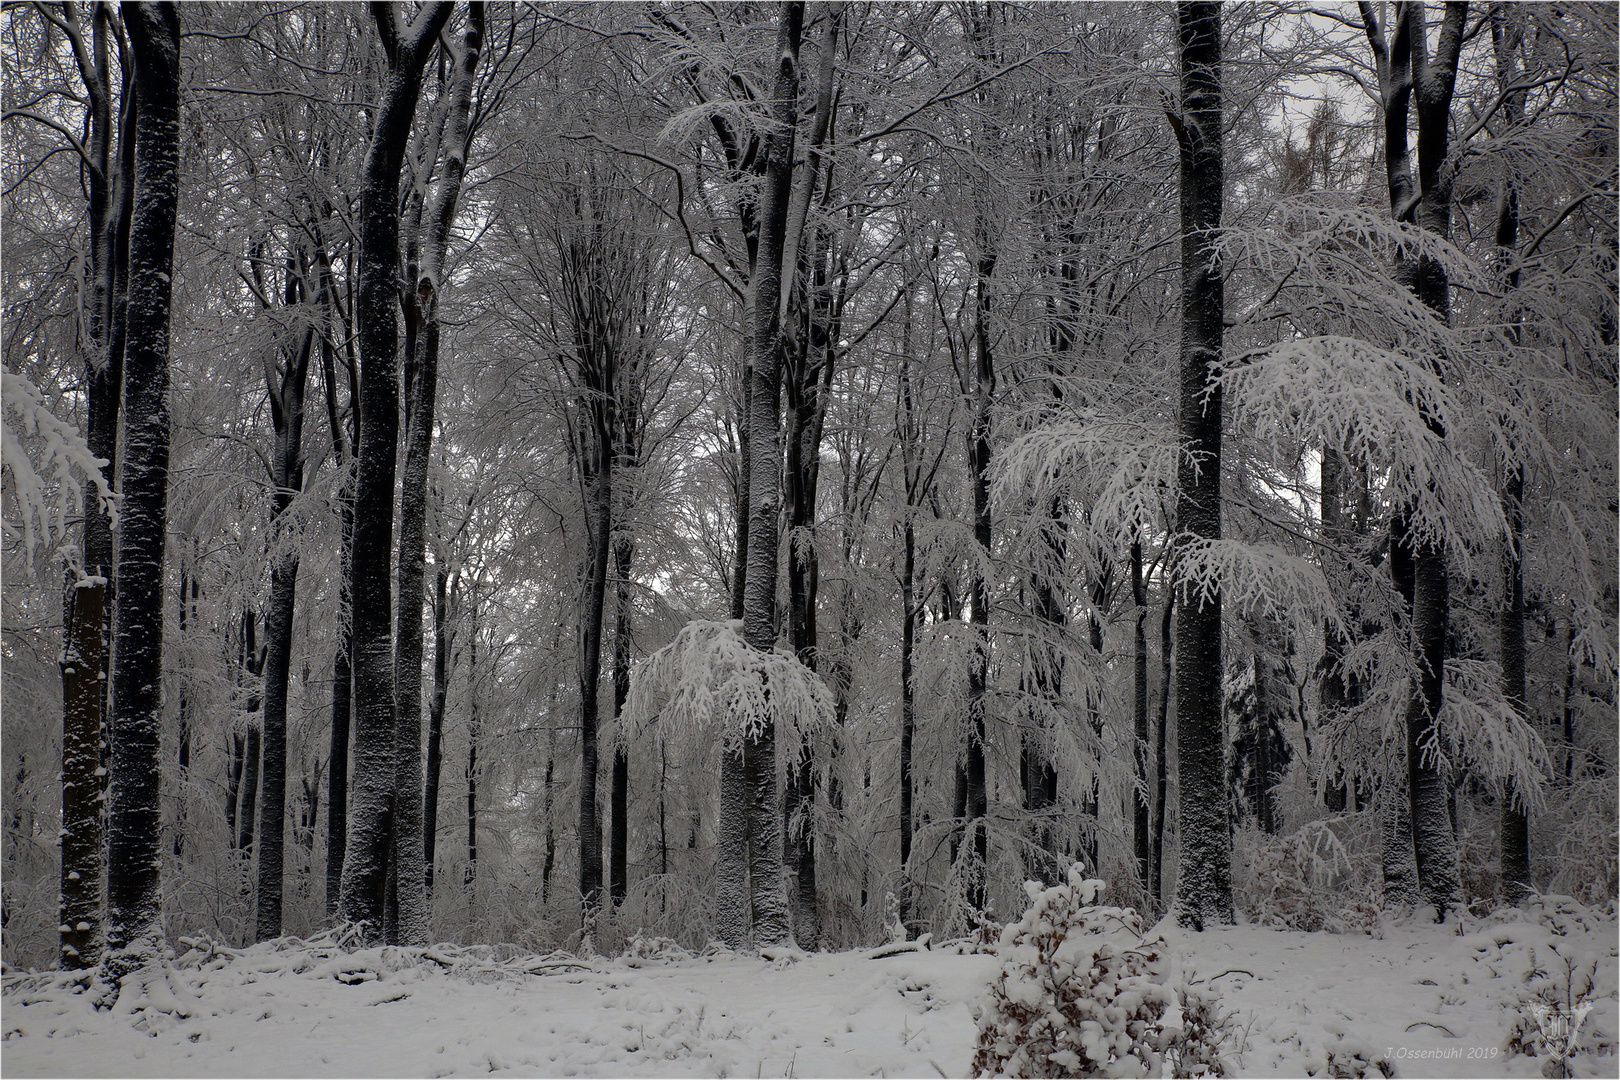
column 421, row 378
column 1506, row 37
column 365, row 869
column 1433, row 836
column 134, row 898
column 442, row 638
column 86, row 601
column 287, row 478
column 1141, row 824
column 767, row 886
column 619, row 794
column 1204, row 884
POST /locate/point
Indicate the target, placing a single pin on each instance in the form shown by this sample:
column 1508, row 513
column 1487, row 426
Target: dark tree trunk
column 1507, row 37
column 1161, row 746
column 421, row 379
column 247, row 807
column 337, row 792
column 1433, row 836
column 442, row 637
column 134, row 899
column 474, row 735
column 1203, row 883
column 981, row 392
column 619, row 793
column 1516, row 882
column 365, row 868
column 908, row 717
column 1335, row 691
column 287, row 477
column 86, row 602
column 1141, row 823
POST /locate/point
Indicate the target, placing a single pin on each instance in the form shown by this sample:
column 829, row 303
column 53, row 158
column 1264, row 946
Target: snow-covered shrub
column 1198, row 1045
column 1308, row 880
column 640, row 950
column 1082, row 990
column 1346, row 1056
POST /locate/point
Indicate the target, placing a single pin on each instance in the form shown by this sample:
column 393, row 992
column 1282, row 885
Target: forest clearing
column 694, row 538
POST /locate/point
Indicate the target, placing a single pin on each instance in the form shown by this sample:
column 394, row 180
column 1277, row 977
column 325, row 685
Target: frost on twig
column 43, row 494
column 710, row 679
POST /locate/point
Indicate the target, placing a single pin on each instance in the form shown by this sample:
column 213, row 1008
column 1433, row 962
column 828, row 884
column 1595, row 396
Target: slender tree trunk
column 1141, row 824
column 619, row 794
column 1203, row 882
column 134, row 899
column 435, row 744
column 365, row 867
column 475, row 731
column 1161, row 746
column 337, row 793
column 983, row 391
column 908, row 717
column 599, row 493
column 1335, row 692
column 247, row 809
column 287, row 463
column 1506, row 37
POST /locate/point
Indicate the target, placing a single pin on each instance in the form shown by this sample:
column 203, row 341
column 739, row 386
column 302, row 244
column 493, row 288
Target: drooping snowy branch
column 1373, row 402
column 44, row 493
column 709, row 680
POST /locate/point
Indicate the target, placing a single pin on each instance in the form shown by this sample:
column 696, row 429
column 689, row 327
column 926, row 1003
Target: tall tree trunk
column 767, row 887
column 442, row 637
column 86, row 602
column 247, row 807
column 287, row 413
column 134, row 899
column 1433, row 836
column 337, row 791
column 619, row 794
column 1334, row 689
column 1141, row 824
column 1506, row 36
column 421, row 378
column 1392, row 53
column 1161, row 746
column 475, row 732
column 908, row 717
column 1204, row 881
column 365, row 868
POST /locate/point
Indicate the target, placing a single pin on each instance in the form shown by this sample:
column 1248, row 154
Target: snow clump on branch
column 709, row 678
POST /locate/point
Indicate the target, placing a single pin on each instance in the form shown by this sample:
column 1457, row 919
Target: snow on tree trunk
column 287, row 477
column 86, row 600
column 134, row 858
column 365, row 868
column 421, row 377
column 1433, row 834
column 1204, row 879
column 435, row 738
column 337, row 775
column 767, row 885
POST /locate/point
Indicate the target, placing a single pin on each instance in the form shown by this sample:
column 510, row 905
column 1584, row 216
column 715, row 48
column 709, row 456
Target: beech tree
column 372, row 806
column 134, row 896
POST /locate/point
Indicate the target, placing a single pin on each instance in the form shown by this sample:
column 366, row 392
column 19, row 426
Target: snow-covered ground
column 1429, row 1000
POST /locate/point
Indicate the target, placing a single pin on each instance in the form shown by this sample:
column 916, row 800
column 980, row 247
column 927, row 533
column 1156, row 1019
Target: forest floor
column 1428, row 1000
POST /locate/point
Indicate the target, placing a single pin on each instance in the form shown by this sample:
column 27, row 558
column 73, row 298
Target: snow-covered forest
column 511, row 495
